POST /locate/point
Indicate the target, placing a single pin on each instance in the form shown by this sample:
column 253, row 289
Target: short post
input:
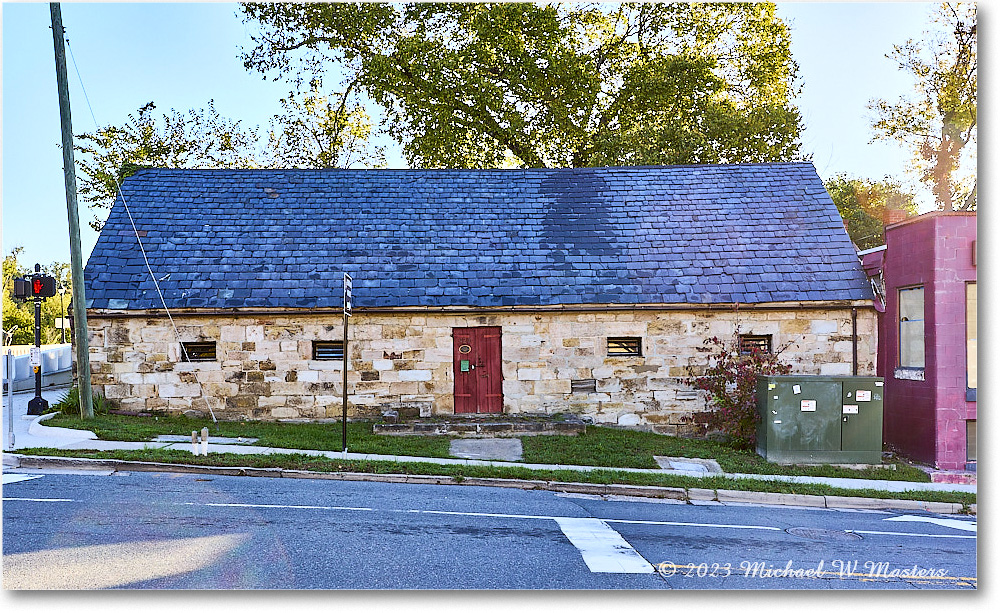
column 204, row 441
column 10, row 400
column 194, row 442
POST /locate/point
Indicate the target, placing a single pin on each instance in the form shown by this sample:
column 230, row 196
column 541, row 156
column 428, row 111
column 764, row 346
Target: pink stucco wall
column 926, row 419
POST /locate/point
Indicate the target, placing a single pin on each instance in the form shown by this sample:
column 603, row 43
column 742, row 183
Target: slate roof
column 632, row 235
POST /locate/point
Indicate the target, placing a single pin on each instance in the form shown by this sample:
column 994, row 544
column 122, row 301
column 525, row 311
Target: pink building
column 927, row 337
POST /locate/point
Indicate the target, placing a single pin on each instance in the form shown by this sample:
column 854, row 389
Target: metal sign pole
column 348, row 287
column 37, row 405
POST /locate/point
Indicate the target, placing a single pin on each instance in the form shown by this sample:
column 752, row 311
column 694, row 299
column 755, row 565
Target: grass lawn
column 303, row 462
column 599, row 446
column 319, row 436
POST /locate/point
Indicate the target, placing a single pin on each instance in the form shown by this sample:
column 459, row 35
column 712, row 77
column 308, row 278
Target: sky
column 182, row 55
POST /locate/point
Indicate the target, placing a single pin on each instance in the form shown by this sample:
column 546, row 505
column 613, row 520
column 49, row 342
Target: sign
column 807, row 405
column 348, row 287
column 36, row 357
column 864, row 396
column 62, row 323
column 850, row 409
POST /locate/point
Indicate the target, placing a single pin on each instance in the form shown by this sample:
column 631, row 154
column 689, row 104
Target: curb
column 598, row 489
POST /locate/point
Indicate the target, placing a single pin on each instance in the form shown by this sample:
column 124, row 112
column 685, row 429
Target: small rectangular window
column 198, row 352
column 911, row 327
column 625, row 346
column 583, row 386
column 755, row 343
column 970, row 440
column 328, row 350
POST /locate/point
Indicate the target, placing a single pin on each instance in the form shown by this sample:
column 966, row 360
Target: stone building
column 589, row 291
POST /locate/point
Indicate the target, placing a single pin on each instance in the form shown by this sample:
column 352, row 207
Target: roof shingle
column 631, row 235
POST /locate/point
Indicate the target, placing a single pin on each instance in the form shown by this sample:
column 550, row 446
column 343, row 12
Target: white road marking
column 968, row 526
column 41, row 499
column 603, row 549
column 933, row 536
column 272, row 506
column 14, row 477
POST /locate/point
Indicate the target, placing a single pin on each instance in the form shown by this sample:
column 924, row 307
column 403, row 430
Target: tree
column 862, row 204
column 731, row 382
column 939, row 124
column 318, row 131
column 481, row 85
column 200, row 138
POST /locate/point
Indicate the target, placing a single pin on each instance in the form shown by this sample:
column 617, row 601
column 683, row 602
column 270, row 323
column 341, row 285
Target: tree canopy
column 863, row 203
column 554, row 85
column 939, row 124
column 318, row 131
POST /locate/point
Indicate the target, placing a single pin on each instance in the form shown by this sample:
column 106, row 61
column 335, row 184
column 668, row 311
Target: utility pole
column 75, row 250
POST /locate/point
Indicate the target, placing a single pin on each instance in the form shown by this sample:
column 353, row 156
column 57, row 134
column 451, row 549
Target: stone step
column 482, row 429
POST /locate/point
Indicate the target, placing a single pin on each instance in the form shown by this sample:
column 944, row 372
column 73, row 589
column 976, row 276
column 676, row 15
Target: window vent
column 751, row 343
column 583, row 386
column 625, row 346
column 328, row 350
column 198, row 352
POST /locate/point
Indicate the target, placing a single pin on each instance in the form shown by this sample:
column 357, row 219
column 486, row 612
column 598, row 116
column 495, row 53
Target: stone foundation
column 403, row 361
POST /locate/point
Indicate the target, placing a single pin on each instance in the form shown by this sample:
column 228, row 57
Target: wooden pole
column 73, row 215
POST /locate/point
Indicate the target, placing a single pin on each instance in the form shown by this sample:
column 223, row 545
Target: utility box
column 820, row 420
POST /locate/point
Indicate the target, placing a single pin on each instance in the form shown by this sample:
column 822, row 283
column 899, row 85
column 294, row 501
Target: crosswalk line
column 14, row 477
column 602, row 548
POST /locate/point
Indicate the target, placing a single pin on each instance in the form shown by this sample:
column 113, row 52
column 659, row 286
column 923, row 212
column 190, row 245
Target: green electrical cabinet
column 820, row 420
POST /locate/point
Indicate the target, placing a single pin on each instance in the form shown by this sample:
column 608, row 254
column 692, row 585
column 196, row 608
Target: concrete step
column 483, row 428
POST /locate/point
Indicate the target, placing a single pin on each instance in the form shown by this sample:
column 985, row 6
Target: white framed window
column 971, row 325
column 911, row 327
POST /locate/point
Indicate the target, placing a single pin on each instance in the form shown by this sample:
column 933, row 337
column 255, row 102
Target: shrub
column 731, row 382
column 69, row 404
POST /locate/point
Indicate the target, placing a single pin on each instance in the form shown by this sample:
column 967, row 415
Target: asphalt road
column 164, row 530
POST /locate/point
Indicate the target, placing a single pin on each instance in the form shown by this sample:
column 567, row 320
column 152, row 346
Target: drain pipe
column 854, row 341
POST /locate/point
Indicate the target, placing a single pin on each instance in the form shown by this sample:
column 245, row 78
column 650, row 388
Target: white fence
column 57, row 366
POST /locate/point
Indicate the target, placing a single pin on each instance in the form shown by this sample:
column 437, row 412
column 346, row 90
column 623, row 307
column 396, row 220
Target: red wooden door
column 478, row 378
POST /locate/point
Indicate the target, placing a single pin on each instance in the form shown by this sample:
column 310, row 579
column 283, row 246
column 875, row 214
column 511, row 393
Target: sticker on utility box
column 850, row 409
column 863, row 396
column 796, row 389
column 808, row 405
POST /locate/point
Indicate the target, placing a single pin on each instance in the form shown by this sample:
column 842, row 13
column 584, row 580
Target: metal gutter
column 466, row 310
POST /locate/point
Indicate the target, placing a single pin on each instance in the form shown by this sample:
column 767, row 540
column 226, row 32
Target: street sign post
column 348, row 288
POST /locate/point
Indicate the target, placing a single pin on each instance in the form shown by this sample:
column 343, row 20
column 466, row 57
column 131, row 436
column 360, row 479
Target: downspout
column 854, row 341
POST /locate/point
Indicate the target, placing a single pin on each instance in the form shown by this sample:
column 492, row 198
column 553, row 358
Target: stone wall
column 264, row 368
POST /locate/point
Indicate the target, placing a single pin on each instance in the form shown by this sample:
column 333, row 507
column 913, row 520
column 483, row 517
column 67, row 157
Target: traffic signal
column 37, row 286
column 43, row 287
column 22, row 289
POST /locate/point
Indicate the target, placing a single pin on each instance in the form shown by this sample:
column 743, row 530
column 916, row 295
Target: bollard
column 194, row 442
column 10, row 400
column 204, row 441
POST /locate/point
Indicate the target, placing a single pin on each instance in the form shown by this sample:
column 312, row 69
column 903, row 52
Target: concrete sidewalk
column 31, row 432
